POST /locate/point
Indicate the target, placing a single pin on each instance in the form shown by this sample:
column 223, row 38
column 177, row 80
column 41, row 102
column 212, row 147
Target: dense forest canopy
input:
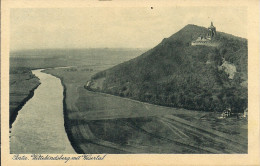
column 176, row 74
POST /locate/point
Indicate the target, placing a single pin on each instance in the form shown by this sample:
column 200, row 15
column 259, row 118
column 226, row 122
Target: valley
column 169, row 99
column 103, row 123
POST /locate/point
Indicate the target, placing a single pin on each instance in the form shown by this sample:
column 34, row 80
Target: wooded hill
column 176, row 74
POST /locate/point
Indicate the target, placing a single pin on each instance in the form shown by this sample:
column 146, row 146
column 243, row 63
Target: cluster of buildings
column 227, row 113
column 206, row 39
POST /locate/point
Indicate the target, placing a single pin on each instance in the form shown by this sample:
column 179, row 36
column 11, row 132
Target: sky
column 114, row 27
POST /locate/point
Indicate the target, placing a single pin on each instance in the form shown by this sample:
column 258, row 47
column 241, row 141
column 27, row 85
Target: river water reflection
column 39, row 126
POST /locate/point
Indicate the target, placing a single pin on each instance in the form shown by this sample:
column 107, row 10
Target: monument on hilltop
column 206, row 39
column 212, row 30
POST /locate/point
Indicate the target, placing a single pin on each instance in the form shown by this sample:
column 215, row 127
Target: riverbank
column 22, row 86
column 67, row 121
column 39, row 126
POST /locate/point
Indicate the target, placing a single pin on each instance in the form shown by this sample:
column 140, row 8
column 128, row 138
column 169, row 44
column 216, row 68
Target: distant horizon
column 35, row 49
column 67, row 48
column 140, row 27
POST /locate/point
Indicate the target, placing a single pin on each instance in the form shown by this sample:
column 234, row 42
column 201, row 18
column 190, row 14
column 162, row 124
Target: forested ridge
column 176, row 74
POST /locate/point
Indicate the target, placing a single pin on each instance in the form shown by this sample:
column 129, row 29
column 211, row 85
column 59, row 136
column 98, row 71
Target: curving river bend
column 39, row 126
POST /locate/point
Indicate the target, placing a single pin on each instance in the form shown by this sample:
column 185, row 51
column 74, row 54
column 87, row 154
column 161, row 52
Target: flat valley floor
column 103, row 123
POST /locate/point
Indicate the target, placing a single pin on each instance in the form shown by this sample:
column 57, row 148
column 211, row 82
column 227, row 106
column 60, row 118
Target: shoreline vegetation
column 23, row 83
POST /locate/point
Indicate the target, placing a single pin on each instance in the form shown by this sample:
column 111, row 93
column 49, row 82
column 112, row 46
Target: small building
column 87, row 85
column 226, row 113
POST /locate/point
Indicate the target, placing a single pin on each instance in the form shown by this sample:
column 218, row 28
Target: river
column 39, row 126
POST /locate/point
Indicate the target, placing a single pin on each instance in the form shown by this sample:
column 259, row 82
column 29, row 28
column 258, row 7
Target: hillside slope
column 176, row 74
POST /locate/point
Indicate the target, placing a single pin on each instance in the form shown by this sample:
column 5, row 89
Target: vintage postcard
column 130, row 83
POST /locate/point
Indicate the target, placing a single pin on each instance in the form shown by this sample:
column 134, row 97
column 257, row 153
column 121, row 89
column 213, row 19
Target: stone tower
column 212, row 30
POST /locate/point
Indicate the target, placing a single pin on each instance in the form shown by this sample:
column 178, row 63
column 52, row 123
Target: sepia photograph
column 175, row 83
column 109, row 80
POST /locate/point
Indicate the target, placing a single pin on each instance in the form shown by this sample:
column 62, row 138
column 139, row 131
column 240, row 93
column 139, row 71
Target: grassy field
column 22, row 86
column 102, row 123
